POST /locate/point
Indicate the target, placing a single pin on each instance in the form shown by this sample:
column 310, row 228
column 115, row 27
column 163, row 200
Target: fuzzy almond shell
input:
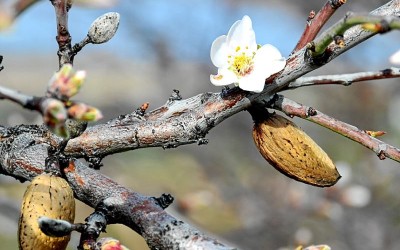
column 49, row 196
column 291, row 151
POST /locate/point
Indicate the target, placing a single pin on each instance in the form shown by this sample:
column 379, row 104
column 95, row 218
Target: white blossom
column 241, row 61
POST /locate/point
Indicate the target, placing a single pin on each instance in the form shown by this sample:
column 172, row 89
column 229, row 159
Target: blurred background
column 225, row 187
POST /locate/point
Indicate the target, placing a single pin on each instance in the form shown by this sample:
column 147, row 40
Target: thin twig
column 300, row 63
column 345, row 79
column 63, row 37
column 292, row 108
column 26, row 101
column 316, row 21
column 375, row 24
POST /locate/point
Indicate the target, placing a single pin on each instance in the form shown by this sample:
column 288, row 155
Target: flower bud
column 66, row 82
column 104, row 28
column 84, row 112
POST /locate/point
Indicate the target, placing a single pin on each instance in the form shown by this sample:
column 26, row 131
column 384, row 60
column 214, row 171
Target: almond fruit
column 50, row 196
column 291, row 151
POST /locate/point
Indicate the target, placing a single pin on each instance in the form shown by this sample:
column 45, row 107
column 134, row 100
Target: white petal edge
column 223, row 78
column 253, row 82
column 219, row 52
column 242, row 34
column 269, row 60
column 395, row 58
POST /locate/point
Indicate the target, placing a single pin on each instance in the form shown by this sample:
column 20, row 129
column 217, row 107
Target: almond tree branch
column 344, row 79
column 316, row 21
column 26, row 101
column 375, row 24
column 187, row 121
column 63, row 37
column 178, row 122
column 23, row 149
column 292, row 108
column 302, row 62
column 23, row 153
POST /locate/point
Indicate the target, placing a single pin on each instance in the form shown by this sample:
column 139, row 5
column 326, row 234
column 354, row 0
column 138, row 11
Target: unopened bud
column 110, row 244
column 84, row 112
column 104, row 28
column 53, row 227
column 66, row 82
column 54, row 116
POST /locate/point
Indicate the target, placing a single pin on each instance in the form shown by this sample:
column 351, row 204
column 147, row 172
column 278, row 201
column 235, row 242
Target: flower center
column 241, row 63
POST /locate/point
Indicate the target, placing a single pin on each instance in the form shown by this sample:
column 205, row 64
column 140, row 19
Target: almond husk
column 49, row 196
column 291, row 151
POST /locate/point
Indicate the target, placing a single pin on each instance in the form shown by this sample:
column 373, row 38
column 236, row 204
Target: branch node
column 336, row 3
column 142, row 109
column 387, row 72
column 316, row 59
column 175, row 96
column 94, row 162
column 202, row 141
column 339, row 40
column 169, row 145
column 347, row 83
column 310, row 17
column 382, row 151
column 311, row 112
column 164, row 200
column 95, row 224
column 383, row 26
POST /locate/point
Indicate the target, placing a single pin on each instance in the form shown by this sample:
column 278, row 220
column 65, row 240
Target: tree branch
column 25, row 101
column 292, row 108
column 141, row 213
column 374, row 24
column 316, row 21
column 301, row 62
column 345, row 79
column 23, row 149
column 63, row 37
column 188, row 121
column 178, row 122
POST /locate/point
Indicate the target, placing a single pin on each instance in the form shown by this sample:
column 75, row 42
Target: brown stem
column 345, row 79
column 141, row 213
column 292, row 108
column 315, row 22
column 63, row 37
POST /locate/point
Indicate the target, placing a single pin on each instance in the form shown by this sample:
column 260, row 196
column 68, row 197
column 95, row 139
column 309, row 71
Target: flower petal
column 269, row 60
column 224, row 77
column 395, row 58
column 242, row 35
column 253, row 82
column 219, row 52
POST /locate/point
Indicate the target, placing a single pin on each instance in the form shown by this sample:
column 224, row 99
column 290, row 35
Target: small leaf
column 104, row 28
column 375, row 133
